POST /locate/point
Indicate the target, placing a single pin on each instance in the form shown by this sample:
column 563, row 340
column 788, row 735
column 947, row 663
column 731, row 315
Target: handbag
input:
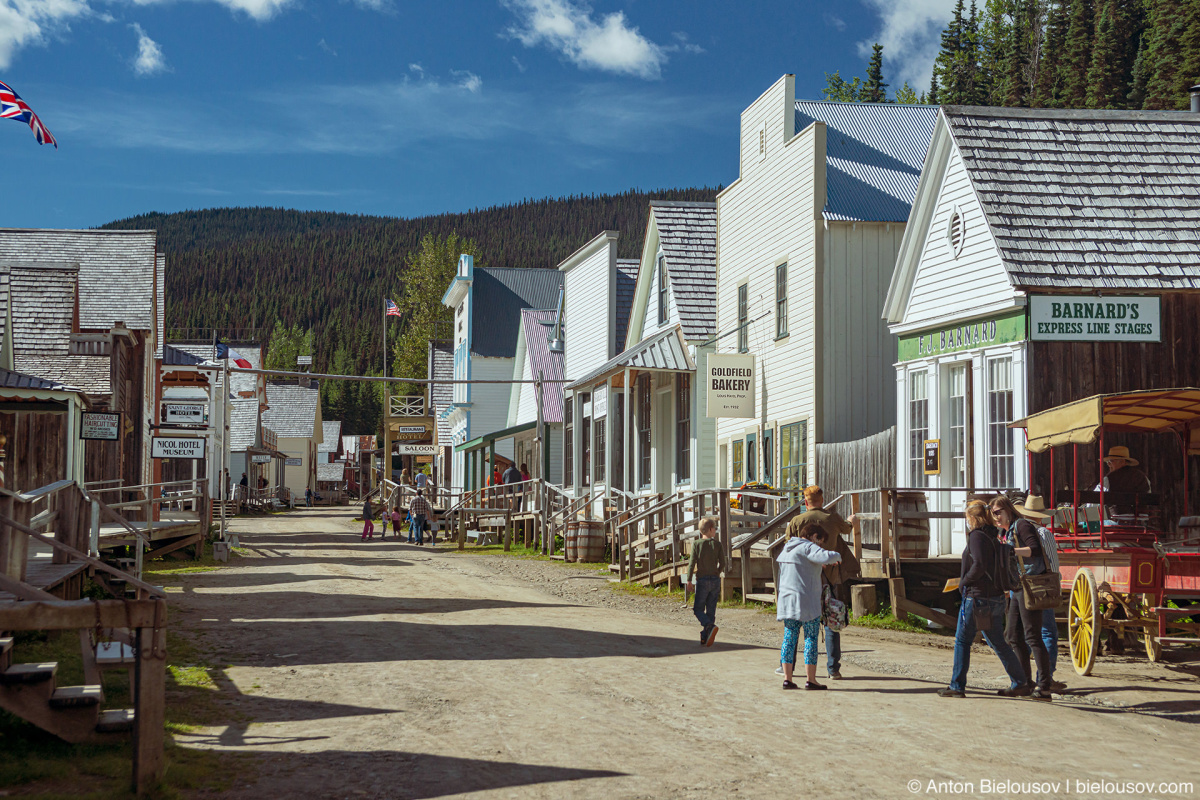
column 833, row 611
column 1039, row 592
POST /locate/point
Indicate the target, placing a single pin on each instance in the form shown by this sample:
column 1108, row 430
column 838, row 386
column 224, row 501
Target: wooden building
column 1050, row 256
column 294, row 414
column 807, row 238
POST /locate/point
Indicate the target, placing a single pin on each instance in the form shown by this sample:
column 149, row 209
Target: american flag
column 13, row 107
column 393, row 310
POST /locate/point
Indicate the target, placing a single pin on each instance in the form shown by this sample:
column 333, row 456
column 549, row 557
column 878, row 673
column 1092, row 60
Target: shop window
column 600, row 446
column 663, row 302
column 739, row 461
column 751, row 457
column 958, row 424
column 918, row 427
column 768, row 457
column 683, row 428
column 643, row 429
column 1001, row 466
column 743, row 312
column 793, row 459
column 781, row 326
column 618, row 436
column 569, row 442
column 585, row 440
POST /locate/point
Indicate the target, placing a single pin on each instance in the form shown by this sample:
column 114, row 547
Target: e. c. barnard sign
column 1060, row 318
column 730, row 384
column 1003, row 329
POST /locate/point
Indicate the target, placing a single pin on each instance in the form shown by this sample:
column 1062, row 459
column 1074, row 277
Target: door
column 959, row 466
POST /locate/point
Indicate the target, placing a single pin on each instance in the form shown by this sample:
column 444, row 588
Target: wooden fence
column 849, row 466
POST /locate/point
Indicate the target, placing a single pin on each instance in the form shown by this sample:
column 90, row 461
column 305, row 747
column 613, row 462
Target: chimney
column 1195, row 90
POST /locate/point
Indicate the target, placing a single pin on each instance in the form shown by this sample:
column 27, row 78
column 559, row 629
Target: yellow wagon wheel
column 1083, row 621
column 1153, row 645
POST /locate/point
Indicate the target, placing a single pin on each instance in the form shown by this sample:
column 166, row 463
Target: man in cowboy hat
column 1124, row 476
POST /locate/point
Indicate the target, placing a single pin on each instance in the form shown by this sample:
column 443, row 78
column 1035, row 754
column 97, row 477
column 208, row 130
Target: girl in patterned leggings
column 799, row 604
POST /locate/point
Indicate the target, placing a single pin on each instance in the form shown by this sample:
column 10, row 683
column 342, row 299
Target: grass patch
column 677, row 594
column 886, row 621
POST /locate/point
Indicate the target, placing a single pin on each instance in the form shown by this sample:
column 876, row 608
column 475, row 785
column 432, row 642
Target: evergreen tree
column 1077, row 56
column 1106, row 74
column 933, row 97
column 993, row 40
column 1046, row 83
column 906, row 95
column 947, row 67
column 874, row 89
column 286, row 344
column 840, row 90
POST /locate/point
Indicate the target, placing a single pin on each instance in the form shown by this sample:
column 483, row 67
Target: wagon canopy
column 1153, row 411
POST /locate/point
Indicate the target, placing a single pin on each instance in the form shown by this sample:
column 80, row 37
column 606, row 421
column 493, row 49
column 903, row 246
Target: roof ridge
column 1082, row 114
column 856, row 103
column 682, row 204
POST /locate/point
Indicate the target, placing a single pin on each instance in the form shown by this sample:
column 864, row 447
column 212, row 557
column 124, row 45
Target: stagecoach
column 1130, row 573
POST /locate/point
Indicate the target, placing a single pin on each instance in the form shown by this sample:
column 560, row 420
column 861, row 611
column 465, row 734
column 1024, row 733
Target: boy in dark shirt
column 707, row 563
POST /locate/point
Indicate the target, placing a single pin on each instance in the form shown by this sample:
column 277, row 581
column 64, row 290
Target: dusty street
column 369, row 669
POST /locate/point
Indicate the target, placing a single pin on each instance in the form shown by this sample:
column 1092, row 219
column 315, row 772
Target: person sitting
column 1124, row 477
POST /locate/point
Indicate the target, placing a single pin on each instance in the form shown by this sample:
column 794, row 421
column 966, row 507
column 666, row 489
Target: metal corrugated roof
column 541, row 361
column 498, row 294
column 175, row 357
column 874, row 153
column 664, row 351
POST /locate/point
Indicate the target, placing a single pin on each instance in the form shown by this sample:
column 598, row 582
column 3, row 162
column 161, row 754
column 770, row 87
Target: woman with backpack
column 982, row 581
column 1023, row 627
column 800, row 598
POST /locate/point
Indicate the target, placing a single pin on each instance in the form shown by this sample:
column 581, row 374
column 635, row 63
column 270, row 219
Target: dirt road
column 368, row 669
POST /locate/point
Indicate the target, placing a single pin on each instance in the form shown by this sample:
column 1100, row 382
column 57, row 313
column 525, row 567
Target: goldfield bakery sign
column 1060, row 318
column 730, row 383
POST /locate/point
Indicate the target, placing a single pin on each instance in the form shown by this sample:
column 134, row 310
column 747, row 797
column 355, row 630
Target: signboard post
column 729, row 382
column 177, row 447
column 1064, row 318
column 94, row 425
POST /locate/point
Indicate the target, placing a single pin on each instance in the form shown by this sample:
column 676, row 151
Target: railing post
column 149, row 703
column 675, row 520
column 94, row 538
column 855, row 507
column 885, row 530
column 726, row 537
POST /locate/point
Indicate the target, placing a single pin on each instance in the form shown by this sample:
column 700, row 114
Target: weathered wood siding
column 867, row 463
column 36, row 452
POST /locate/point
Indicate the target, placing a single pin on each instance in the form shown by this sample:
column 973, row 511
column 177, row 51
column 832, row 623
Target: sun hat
column 1034, row 506
column 1121, row 452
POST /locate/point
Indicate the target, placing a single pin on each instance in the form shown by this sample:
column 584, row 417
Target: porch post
column 627, row 435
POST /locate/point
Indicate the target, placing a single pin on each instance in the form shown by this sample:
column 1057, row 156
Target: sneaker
column 1042, row 694
column 779, row 670
column 712, row 636
column 1020, row 691
column 946, row 691
column 814, row 685
column 790, row 685
column 1058, row 686
column 836, row 675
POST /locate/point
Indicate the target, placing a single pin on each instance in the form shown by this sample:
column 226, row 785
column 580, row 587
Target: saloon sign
column 729, row 379
column 1060, row 318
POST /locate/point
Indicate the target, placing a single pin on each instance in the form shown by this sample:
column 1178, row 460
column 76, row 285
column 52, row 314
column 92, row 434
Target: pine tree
column 906, row 95
column 1054, row 39
column 992, row 41
column 874, row 89
column 932, row 97
column 838, row 89
column 946, row 65
column 1077, row 56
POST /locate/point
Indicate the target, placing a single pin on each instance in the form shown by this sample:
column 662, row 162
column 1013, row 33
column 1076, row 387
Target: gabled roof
column 116, row 270
column 626, row 289
column 331, row 472
column 1087, row 199
column 874, row 153
column 238, row 381
column 331, row 439
column 175, row 357
column 544, row 362
column 498, row 295
column 243, row 423
column 441, row 395
column 665, row 351
column 292, row 410
column 687, row 233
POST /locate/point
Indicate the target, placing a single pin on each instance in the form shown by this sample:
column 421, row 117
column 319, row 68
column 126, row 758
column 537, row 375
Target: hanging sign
column 294, row 462
column 184, row 413
column 729, row 378
column 260, row 459
column 95, row 425
column 417, row 449
column 933, row 456
column 177, row 447
column 414, row 431
column 600, row 401
column 1061, row 318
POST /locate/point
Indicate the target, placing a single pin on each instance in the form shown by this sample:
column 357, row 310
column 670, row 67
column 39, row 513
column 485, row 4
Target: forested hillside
column 238, row 268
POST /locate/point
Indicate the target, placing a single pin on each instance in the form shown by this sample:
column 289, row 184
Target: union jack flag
column 13, row 107
column 393, row 310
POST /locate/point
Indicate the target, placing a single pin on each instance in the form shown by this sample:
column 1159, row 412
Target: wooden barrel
column 571, row 542
column 589, row 540
column 912, row 535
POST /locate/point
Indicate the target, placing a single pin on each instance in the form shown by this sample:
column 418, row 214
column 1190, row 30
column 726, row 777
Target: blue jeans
column 418, row 525
column 833, row 651
column 704, row 605
column 1050, row 637
column 994, row 607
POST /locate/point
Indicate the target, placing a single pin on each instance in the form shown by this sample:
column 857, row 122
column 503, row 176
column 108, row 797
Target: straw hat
column 1034, row 506
column 1121, row 452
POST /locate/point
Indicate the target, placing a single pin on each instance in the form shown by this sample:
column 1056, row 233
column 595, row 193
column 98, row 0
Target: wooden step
column 761, row 597
column 76, row 696
column 115, row 720
column 29, row 673
column 113, row 655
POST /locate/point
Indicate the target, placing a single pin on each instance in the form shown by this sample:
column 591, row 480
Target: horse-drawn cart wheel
column 1083, row 621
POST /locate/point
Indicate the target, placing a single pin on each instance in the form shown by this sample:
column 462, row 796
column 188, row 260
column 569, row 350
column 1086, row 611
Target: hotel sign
column 1003, row 329
column 177, row 447
column 1061, row 318
column 729, row 379
column 185, row 413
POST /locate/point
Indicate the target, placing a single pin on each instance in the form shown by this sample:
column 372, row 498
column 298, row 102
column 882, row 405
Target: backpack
column 1049, row 548
column 833, row 611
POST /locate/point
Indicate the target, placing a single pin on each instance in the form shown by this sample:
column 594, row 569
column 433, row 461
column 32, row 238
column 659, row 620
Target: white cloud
column 682, row 43
column 418, row 69
column 324, row 45
column 607, row 43
column 149, row 59
column 911, row 36
column 33, row 22
column 468, row 80
column 257, row 9
column 520, row 67
column 835, row 22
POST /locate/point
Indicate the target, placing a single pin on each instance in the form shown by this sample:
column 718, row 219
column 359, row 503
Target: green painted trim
column 984, row 332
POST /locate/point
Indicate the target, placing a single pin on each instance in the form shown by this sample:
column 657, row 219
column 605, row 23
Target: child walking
column 707, row 563
column 368, row 524
column 396, row 521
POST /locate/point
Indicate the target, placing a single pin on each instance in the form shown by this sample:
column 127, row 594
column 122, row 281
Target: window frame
column 795, row 436
column 599, row 432
column 768, row 455
column 917, row 410
column 585, row 438
column 738, row 456
column 618, row 439
column 781, row 301
column 683, row 428
column 752, row 457
column 663, row 300
column 743, row 317
column 645, row 391
column 998, row 429
column 569, row 442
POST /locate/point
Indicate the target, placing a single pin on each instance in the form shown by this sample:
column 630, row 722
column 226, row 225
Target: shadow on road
column 315, row 605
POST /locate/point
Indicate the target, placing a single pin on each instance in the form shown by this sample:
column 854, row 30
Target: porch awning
column 665, row 351
column 1153, row 411
column 488, row 438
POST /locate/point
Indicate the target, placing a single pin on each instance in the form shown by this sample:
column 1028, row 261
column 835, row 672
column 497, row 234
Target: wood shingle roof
column 687, row 233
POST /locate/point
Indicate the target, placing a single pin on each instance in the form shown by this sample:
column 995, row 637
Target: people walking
column 419, row 511
column 405, row 480
column 799, row 599
column 422, row 480
column 981, row 582
column 368, row 524
column 308, row 497
column 705, row 566
column 837, row 575
column 395, row 520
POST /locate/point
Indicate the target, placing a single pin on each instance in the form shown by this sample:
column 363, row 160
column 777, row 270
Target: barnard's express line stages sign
column 1002, row 329
column 177, row 447
column 1058, row 318
column 729, row 379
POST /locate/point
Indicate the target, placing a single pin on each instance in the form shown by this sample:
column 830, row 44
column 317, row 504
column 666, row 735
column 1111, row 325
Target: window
column 683, row 428
column 600, row 445
column 618, row 435
column 743, row 311
column 793, row 459
column 643, row 428
column 918, row 427
column 663, row 303
column 585, row 440
column 768, row 457
column 739, row 461
column 781, row 329
column 751, row 457
column 568, row 441
column 958, row 425
column 1001, row 467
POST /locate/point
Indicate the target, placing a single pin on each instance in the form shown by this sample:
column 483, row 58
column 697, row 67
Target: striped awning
column 665, row 351
column 1153, row 411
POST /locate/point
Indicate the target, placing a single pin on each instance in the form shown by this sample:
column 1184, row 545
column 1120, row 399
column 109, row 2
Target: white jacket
column 800, row 565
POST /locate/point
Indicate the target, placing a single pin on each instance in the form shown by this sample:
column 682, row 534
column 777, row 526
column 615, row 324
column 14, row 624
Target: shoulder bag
column 833, row 611
column 1039, row 592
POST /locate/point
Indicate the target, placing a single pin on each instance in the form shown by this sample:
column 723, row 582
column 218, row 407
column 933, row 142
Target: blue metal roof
column 874, row 153
column 498, row 295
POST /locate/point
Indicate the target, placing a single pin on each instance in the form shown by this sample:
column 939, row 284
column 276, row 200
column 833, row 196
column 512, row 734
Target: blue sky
column 406, row 108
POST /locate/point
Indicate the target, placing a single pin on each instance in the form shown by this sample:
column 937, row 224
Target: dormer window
column 663, row 304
